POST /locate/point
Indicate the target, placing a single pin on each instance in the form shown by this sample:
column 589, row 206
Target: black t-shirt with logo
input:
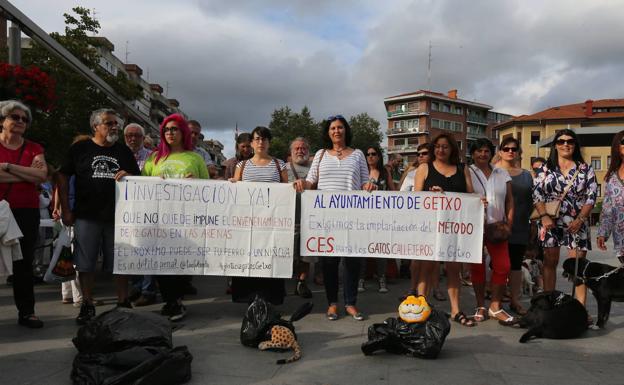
column 95, row 167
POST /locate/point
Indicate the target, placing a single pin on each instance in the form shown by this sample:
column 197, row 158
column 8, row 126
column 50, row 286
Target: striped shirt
column 268, row 173
column 345, row 174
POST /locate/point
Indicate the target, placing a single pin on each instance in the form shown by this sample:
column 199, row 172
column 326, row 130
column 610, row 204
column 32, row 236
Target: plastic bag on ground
column 142, row 365
column 261, row 316
column 120, row 328
column 61, row 268
column 424, row 340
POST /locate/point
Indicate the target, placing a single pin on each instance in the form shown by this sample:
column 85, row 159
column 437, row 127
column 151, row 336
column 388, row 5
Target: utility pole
column 127, row 52
column 167, row 88
column 15, row 44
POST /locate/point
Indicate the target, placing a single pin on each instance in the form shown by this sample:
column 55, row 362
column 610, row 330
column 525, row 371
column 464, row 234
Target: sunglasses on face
column 509, row 149
column 172, row 129
column 561, row 142
column 17, row 118
column 423, row 153
column 371, row 154
column 334, row 117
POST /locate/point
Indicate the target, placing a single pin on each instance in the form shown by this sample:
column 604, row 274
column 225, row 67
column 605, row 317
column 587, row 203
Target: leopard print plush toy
column 282, row 338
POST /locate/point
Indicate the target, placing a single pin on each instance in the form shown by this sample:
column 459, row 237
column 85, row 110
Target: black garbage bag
column 120, row 328
column 424, row 340
column 555, row 315
column 261, row 316
column 141, row 365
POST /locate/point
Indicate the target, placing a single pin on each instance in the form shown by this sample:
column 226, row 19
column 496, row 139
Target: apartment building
column 420, row 116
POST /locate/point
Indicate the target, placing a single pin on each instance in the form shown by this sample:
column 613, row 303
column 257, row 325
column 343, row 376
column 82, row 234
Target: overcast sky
column 231, row 62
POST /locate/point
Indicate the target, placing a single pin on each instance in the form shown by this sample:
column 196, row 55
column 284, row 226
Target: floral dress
column 548, row 186
column 612, row 215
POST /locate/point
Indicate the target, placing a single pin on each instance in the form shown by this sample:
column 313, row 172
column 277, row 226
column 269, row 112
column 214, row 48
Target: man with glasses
column 96, row 165
column 134, row 134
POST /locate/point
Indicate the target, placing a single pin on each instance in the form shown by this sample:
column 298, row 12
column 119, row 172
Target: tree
column 366, row 131
column 76, row 97
column 286, row 125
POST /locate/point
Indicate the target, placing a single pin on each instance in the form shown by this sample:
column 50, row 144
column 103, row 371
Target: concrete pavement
column 486, row 354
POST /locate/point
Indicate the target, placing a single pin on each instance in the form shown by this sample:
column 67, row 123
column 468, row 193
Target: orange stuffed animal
column 414, row 309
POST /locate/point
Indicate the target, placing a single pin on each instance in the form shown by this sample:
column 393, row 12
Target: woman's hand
column 485, row 202
column 368, row 186
column 299, row 185
column 120, row 175
column 37, row 163
column 575, row 226
column 232, row 180
column 436, row 189
column 601, row 243
column 56, row 214
column 547, row 222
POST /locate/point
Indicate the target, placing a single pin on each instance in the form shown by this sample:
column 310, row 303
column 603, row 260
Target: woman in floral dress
column 612, row 215
column 564, row 166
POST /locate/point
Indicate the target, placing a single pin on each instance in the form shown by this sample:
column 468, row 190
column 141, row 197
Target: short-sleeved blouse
column 332, row 173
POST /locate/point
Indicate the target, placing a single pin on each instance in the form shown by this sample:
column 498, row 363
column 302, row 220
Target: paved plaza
column 486, row 354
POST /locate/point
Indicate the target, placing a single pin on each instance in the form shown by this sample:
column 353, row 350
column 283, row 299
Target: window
column 397, row 124
column 457, row 110
column 446, row 108
column 459, row 144
column 447, row 125
column 400, row 108
column 435, row 106
column 457, row 126
column 535, row 136
column 596, row 163
column 435, row 123
column 599, row 190
column 412, row 140
column 399, row 142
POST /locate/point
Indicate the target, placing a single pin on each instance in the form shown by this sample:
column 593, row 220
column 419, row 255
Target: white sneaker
column 383, row 288
column 361, row 287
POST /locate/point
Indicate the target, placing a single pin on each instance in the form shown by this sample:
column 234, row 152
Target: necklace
column 339, row 152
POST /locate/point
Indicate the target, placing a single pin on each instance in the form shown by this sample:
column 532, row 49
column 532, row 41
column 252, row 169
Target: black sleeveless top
column 454, row 183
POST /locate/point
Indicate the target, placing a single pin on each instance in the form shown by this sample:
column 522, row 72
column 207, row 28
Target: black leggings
column 516, row 255
column 23, row 287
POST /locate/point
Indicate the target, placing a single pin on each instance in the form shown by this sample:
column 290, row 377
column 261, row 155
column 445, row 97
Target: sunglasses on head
column 371, row 154
column 172, row 129
column 509, row 149
column 334, row 117
column 17, row 118
column 423, row 153
column 561, row 142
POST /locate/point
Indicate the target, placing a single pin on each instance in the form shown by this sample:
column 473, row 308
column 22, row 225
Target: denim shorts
column 91, row 238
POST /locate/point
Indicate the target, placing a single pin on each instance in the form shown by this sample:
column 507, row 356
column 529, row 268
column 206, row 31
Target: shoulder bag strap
column 478, row 178
column 292, row 168
column 279, row 172
column 19, row 157
column 242, row 168
column 570, row 183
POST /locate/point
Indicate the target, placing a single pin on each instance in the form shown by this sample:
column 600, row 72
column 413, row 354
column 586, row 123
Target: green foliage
column 286, row 125
column 76, row 97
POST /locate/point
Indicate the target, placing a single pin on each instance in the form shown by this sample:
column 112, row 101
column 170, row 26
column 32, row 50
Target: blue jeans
column 146, row 284
column 350, row 276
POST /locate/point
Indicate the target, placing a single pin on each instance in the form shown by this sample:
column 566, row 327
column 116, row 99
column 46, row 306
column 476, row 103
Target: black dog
column 554, row 314
column 605, row 281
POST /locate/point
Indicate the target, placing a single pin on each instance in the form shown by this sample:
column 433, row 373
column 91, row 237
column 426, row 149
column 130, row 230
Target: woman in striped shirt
column 262, row 167
column 338, row 167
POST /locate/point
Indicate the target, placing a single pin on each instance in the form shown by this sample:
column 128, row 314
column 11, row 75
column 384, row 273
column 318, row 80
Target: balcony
column 404, row 131
column 407, row 112
column 402, row 148
column 473, row 132
column 476, row 119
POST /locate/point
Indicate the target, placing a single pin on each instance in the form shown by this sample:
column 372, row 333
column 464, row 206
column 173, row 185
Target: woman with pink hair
column 174, row 158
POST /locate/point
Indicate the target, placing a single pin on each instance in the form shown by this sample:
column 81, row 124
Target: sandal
column 353, row 312
column 506, row 321
column 332, row 313
column 480, row 314
column 461, row 319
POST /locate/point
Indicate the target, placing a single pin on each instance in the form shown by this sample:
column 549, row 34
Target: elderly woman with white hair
column 22, row 169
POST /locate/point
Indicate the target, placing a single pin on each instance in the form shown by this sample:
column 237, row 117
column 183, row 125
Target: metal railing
column 401, row 130
column 409, row 111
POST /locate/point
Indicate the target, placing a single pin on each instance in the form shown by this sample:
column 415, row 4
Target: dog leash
column 605, row 275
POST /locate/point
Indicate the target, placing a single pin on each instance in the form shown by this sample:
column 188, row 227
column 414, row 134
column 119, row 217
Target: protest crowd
column 81, row 194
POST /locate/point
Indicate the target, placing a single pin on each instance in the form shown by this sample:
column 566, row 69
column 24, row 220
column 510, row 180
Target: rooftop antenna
column 429, row 69
column 127, row 52
column 93, row 11
column 147, row 74
column 167, row 88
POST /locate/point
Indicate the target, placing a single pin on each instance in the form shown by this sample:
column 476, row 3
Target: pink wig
column 164, row 149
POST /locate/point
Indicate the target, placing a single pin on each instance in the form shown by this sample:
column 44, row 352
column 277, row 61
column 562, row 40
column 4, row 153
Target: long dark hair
column 383, row 174
column 327, row 143
column 553, row 158
column 454, row 157
column 616, row 158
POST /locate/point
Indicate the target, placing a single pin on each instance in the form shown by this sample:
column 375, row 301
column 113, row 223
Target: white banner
column 392, row 224
column 191, row 226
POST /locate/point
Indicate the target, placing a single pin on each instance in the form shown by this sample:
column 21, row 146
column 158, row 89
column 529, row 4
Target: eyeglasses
column 509, row 149
column 172, row 129
column 259, row 139
column 334, row 117
column 423, row 153
column 570, row 142
column 17, row 118
column 112, row 123
column 371, row 154
column 133, row 135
